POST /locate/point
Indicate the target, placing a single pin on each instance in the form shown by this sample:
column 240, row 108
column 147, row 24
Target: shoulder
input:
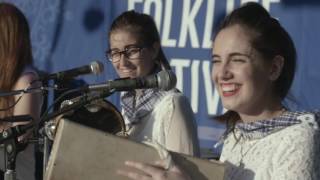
column 25, row 80
column 174, row 97
column 304, row 134
column 298, row 147
column 27, row 77
column 173, row 103
column 308, row 120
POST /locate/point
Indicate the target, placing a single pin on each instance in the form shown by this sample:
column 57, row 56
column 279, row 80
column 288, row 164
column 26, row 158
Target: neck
column 264, row 112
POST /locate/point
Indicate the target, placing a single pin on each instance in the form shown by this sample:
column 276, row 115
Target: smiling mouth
column 126, row 71
column 229, row 89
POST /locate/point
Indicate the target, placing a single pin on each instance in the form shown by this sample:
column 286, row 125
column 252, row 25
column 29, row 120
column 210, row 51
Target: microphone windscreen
column 166, row 80
column 96, row 67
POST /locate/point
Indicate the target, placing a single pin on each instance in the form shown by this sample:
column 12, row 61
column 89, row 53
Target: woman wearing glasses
column 164, row 117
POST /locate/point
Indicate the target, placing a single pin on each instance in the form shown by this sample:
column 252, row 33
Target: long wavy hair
column 15, row 50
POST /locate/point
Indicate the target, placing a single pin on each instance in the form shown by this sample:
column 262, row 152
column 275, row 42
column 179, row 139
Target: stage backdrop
column 70, row 33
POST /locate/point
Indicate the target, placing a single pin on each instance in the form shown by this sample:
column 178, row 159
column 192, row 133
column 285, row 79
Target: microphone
column 164, row 80
column 95, row 67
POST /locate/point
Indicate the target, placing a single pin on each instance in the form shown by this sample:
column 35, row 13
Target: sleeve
column 182, row 133
column 299, row 157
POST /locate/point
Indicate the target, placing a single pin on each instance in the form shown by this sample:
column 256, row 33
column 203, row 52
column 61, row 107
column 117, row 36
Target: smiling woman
column 253, row 68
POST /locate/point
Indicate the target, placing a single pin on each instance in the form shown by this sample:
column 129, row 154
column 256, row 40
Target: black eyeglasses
column 130, row 52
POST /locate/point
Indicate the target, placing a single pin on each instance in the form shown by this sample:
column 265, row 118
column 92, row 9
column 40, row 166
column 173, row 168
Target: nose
column 222, row 71
column 123, row 60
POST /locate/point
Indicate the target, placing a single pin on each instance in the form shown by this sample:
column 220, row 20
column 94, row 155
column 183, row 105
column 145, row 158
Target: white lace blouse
column 291, row 153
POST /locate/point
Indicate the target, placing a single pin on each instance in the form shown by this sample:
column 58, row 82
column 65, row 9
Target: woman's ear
column 276, row 67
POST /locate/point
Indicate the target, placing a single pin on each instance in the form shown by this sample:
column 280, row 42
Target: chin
column 230, row 106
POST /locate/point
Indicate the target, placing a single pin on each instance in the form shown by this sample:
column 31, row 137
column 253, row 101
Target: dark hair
column 15, row 49
column 142, row 25
column 270, row 39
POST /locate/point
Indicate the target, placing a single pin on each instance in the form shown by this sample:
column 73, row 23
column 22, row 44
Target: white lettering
column 131, row 3
column 195, row 85
column 206, row 43
column 230, row 6
column 166, row 41
column 158, row 10
column 188, row 25
column 212, row 101
column 179, row 64
column 245, row 1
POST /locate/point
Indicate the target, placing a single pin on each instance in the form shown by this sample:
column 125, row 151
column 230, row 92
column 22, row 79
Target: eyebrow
column 127, row 46
column 233, row 54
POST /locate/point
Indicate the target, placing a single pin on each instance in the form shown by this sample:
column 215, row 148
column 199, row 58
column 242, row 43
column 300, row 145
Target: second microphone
column 164, row 80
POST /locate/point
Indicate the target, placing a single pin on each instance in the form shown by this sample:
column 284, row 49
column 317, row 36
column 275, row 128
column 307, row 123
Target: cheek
column 261, row 76
column 258, row 83
column 115, row 66
column 213, row 74
column 214, row 79
column 145, row 67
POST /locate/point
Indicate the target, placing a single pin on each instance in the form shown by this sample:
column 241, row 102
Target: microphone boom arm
column 83, row 100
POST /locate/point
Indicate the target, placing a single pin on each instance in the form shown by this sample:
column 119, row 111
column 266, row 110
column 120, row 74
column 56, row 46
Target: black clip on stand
column 12, row 147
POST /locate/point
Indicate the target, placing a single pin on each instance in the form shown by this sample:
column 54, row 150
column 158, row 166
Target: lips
column 125, row 70
column 124, row 73
column 229, row 89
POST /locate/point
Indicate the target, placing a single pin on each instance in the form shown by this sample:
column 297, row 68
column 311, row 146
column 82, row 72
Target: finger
column 146, row 168
column 160, row 163
column 133, row 175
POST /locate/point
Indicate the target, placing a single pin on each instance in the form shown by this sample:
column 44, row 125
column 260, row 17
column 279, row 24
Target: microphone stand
column 85, row 99
column 9, row 137
column 12, row 147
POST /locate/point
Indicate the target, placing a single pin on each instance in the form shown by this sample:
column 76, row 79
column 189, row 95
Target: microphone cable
column 16, row 101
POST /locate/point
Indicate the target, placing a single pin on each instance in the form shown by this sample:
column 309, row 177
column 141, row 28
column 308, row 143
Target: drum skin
column 100, row 115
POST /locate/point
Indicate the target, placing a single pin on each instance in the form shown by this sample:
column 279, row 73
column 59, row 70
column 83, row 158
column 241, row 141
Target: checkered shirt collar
column 135, row 108
column 262, row 128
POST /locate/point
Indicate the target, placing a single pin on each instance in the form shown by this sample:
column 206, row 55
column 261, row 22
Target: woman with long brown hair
column 16, row 71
